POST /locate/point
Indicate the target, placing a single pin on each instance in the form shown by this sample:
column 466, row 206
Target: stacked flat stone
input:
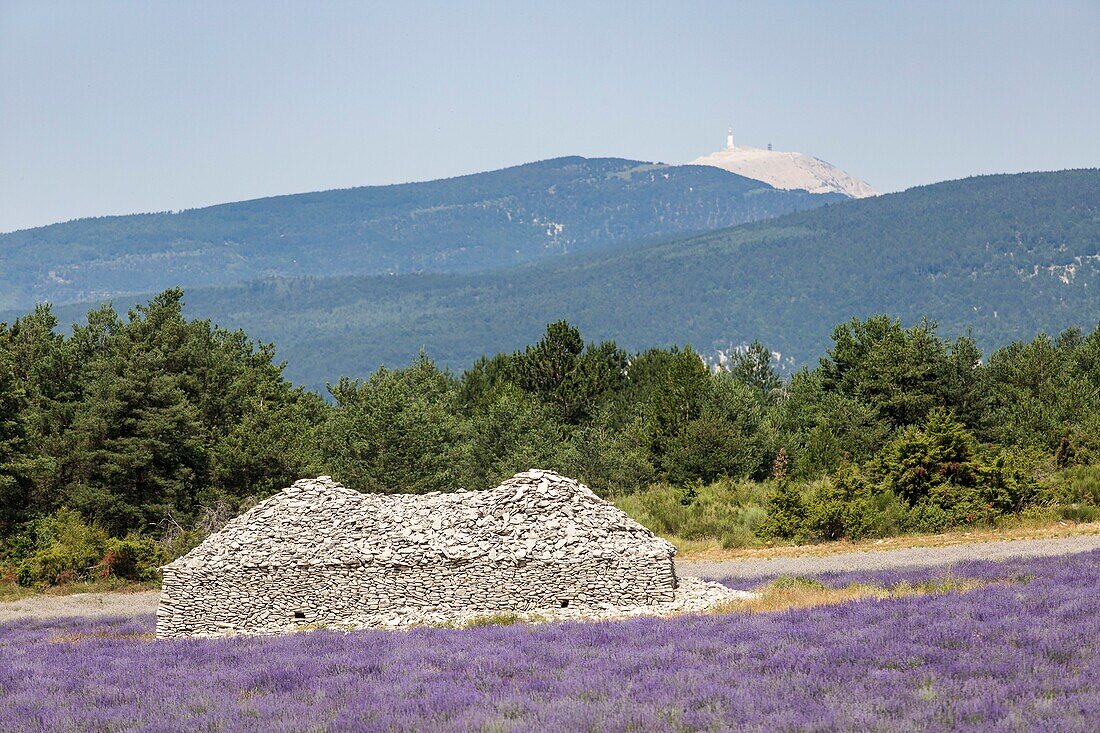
column 318, row 553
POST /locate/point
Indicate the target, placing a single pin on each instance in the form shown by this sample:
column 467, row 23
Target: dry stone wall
column 273, row 601
column 321, row 554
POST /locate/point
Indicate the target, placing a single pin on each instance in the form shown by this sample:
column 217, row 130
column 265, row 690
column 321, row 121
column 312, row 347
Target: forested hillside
column 463, row 224
column 1006, row 256
column 122, row 444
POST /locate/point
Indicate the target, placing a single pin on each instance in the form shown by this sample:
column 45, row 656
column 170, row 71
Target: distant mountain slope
column 1005, row 255
column 462, row 224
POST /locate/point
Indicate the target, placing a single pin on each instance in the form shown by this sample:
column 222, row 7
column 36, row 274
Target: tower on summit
column 729, row 139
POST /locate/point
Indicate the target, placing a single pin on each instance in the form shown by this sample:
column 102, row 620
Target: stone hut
column 320, row 554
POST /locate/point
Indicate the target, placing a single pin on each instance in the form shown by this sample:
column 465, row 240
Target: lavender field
column 1019, row 653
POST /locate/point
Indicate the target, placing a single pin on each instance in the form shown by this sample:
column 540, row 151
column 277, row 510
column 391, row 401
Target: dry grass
column 494, row 619
column 713, row 550
column 787, row 593
column 14, row 592
column 76, row 638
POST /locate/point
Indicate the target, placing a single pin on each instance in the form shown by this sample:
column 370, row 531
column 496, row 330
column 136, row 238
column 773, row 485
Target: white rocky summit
column 318, row 554
column 786, row 170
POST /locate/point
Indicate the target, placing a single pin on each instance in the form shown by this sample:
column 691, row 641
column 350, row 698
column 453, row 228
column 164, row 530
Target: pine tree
column 397, row 432
column 568, row 375
column 752, row 366
column 137, row 447
column 15, row 500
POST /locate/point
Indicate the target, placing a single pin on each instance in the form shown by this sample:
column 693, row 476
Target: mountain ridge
column 460, row 224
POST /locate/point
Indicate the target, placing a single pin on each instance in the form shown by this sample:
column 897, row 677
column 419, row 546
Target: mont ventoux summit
column 785, row 170
column 743, row 244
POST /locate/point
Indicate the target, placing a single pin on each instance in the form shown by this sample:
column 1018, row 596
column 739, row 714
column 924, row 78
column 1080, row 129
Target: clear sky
column 119, row 107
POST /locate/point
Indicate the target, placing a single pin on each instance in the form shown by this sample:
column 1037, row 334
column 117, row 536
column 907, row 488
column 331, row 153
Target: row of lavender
column 1018, row 654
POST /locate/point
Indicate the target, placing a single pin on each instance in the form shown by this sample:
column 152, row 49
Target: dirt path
column 712, row 550
column 885, row 559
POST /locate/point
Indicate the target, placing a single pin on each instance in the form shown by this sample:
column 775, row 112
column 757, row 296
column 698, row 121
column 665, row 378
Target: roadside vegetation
column 124, row 443
column 727, row 516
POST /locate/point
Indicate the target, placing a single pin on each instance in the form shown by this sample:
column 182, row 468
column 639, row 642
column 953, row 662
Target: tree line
column 133, row 424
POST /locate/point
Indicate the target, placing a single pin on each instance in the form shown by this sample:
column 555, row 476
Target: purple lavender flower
column 1023, row 654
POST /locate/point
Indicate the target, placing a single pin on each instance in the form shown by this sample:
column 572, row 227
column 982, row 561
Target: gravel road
column 145, row 603
column 885, row 559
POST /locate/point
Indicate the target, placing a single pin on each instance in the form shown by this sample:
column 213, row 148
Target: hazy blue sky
column 122, row 107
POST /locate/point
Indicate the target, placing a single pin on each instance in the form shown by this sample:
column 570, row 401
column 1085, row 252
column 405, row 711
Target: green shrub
column 885, row 515
column 62, row 548
column 843, row 506
column 21, row 544
column 1079, row 512
column 791, row 582
column 1008, row 484
column 1076, row 485
column 926, row 480
column 918, row 460
column 744, row 533
column 827, row 513
column 962, row 504
column 927, row 517
column 726, row 510
column 58, row 564
column 133, row 558
column 785, row 514
column 182, row 542
column 54, row 566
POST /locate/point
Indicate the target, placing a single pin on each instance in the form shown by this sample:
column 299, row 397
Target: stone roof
column 535, row 515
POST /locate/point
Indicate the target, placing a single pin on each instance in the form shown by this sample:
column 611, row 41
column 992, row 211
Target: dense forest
column 477, row 222
column 1006, row 256
column 125, row 441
